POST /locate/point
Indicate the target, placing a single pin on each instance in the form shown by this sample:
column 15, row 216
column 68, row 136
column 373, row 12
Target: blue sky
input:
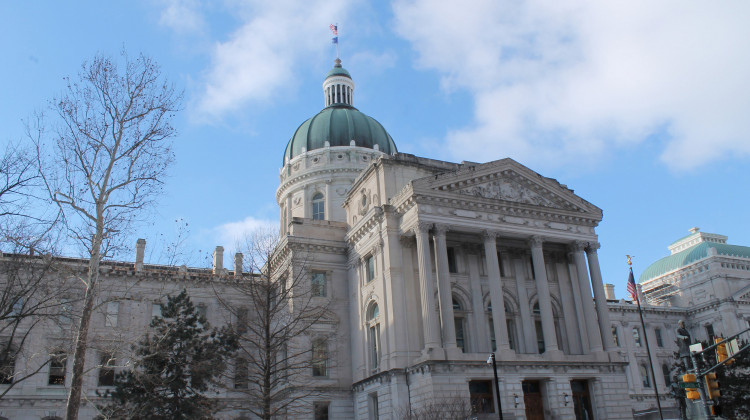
column 642, row 107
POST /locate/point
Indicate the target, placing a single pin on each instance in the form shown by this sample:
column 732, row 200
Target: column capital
column 536, row 241
column 422, row 228
column 578, row 246
column 490, row 235
column 592, row 247
column 407, row 241
column 440, row 229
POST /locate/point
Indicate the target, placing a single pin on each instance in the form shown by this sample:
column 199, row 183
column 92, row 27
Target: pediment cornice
column 506, row 184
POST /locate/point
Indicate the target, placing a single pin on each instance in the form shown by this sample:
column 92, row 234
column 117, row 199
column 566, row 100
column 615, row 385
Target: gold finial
column 629, row 257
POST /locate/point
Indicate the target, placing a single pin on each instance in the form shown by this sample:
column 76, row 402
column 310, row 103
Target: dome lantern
column 338, row 87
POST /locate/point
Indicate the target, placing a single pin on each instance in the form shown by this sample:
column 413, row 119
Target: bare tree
column 104, row 164
column 284, row 328
column 448, row 408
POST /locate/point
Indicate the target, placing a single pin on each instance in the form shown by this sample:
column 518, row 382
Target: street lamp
column 497, row 385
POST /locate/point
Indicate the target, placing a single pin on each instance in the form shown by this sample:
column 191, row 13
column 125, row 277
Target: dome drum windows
column 318, row 206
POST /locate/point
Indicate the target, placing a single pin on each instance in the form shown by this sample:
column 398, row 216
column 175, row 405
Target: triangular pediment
column 506, row 181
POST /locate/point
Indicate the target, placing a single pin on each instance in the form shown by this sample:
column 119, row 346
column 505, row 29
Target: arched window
column 510, row 322
column 459, row 321
column 320, row 357
column 538, row 328
column 644, row 376
column 318, row 207
column 491, row 324
column 373, row 336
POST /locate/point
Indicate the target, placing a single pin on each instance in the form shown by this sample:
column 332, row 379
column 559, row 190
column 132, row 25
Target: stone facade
column 428, row 267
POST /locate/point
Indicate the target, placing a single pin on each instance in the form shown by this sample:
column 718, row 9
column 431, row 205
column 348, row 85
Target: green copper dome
column 689, row 256
column 338, row 125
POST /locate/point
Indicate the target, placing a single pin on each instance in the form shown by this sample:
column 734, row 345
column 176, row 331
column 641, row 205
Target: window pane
column 319, row 284
column 637, row 337
column 110, row 318
column 644, row 376
column 320, row 357
column 657, row 333
column 57, row 368
column 370, row 268
column 240, row 374
column 318, row 207
column 460, row 342
column 320, row 410
column 107, row 371
column 615, row 338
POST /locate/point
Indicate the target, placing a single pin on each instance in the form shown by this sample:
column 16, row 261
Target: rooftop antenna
column 335, row 39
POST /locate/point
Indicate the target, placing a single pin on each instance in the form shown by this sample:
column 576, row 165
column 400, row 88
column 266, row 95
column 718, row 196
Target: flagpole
column 645, row 336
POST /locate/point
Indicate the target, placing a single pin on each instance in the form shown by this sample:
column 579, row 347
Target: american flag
column 334, row 29
column 631, row 286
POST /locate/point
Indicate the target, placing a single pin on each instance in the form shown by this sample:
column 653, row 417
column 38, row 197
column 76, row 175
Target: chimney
column 609, row 291
column 140, row 249
column 238, row 264
column 219, row 260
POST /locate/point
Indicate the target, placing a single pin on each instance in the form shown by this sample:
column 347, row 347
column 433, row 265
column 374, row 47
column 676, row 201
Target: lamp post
column 497, row 385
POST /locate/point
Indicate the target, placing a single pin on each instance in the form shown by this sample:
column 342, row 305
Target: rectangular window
column 539, row 336
column 667, row 375
column 460, row 342
column 645, row 377
column 57, row 363
column 659, row 341
column 107, row 370
column 370, row 265
column 110, row 318
column 372, row 407
column 637, row 336
column 511, row 326
column 319, row 284
column 66, row 312
column 710, row 333
column 320, row 357
column 7, row 363
column 492, row 333
column 500, row 265
column 481, row 397
column 320, row 410
column 375, row 346
column 452, row 260
column 240, row 374
column 156, row 310
column 241, row 327
column 615, row 338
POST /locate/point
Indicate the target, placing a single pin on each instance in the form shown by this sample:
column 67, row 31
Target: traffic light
column 691, row 393
column 712, row 386
column 722, row 353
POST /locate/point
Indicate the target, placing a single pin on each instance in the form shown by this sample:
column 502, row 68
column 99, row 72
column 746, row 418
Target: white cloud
column 561, row 82
column 259, row 58
column 234, row 234
column 182, row 16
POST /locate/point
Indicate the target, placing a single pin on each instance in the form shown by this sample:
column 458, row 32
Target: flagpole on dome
column 335, row 31
column 633, row 290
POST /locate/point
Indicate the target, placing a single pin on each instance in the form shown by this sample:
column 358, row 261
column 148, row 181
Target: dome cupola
column 339, row 123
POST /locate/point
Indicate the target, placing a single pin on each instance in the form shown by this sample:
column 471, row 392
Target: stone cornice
column 372, row 218
column 296, row 179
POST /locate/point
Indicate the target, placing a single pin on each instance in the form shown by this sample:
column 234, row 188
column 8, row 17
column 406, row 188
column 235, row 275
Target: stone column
column 545, row 302
column 592, row 327
column 602, row 311
column 527, row 343
column 495, row 281
column 580, row 315
column 477, row 303
column 444, row 288
column 427, row 288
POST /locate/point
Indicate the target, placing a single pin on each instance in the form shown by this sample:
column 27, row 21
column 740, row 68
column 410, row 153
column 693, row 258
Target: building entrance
column 532, row 399
column 581, row 400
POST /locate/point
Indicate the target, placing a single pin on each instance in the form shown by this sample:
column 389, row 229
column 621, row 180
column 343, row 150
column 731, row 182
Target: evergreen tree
column 175, row 365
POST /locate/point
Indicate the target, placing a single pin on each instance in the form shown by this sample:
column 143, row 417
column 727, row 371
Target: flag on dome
column 334, row 29
column 335, row 40
column 632, row 289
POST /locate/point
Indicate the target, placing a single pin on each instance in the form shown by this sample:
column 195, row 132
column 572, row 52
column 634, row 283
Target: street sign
column 688, row 384
column 696, row 348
